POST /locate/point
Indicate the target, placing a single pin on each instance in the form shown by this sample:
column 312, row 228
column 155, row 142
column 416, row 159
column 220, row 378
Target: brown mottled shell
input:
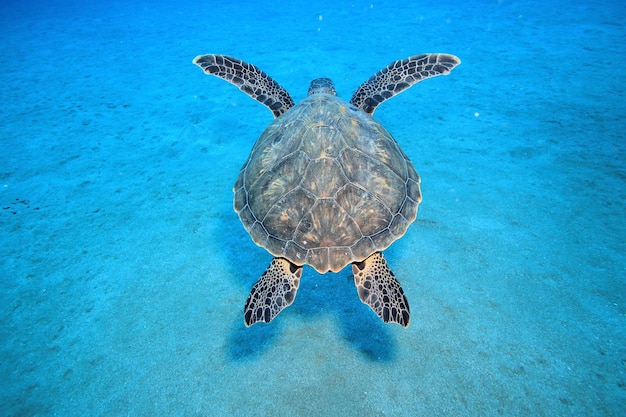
column 326, row 185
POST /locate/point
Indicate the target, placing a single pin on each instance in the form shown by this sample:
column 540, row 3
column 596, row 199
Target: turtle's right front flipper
column 250, row 79
column 275, row 290
column 400, row 75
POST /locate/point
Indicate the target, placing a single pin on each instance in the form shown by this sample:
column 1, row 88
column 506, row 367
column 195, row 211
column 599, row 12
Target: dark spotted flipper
column 379, row 289
column 275, row 290
column 249, row 79
column 400, row 75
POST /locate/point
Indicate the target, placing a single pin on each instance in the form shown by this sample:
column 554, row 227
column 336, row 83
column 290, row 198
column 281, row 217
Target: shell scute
column 326, row 185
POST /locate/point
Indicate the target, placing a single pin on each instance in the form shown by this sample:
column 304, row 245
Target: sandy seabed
column 123, row 268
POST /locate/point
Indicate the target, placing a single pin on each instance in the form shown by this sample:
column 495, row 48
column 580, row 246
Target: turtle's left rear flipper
column 379, row 289
column 275, row 290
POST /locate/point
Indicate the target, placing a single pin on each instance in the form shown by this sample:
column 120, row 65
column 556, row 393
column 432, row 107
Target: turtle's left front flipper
column 275, row 290
column 379, row 289
column 249, row 78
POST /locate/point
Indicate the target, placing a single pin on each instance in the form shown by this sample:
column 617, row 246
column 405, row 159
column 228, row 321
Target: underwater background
column 124, row 270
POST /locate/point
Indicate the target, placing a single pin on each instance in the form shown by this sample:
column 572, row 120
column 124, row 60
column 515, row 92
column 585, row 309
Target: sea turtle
column 326, row 185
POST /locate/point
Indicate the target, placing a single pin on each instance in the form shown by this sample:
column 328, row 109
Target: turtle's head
column 322, row 86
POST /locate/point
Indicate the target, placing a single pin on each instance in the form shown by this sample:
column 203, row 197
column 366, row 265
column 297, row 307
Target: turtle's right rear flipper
column 379, row 289
column 275, row 290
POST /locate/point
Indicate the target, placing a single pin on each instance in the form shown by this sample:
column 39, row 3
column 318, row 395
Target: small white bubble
column 476, row 114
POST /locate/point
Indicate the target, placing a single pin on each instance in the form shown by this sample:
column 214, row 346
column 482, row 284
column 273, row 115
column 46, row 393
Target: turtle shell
column 326, row 185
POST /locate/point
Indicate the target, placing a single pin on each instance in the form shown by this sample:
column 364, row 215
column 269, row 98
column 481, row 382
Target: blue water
column 124, row 270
